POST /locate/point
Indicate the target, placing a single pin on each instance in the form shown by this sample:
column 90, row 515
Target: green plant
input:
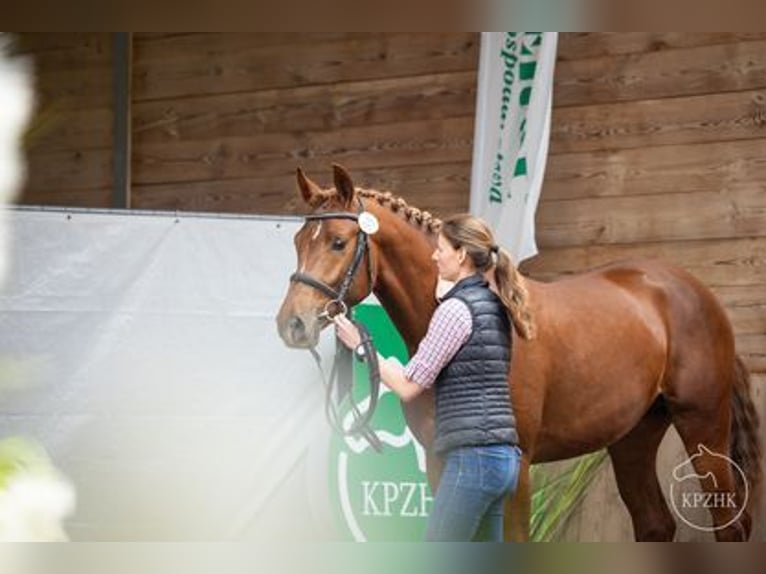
column 555, row 497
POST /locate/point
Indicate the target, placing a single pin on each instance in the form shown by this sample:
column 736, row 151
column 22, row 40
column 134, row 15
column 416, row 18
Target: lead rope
column 343, row 390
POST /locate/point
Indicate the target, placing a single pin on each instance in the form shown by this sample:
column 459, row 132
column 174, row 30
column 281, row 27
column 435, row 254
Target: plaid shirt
column 450, row 328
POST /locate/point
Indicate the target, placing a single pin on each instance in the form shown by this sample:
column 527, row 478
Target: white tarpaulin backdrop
column 142, row 351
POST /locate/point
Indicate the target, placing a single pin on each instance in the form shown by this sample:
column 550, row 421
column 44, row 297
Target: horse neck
column 406, row 276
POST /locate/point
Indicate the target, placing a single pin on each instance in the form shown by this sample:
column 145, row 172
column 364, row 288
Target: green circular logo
column 379, row 497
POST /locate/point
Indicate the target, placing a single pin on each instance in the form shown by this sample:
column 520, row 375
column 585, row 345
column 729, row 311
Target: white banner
column 142, row 352
column 513, row 116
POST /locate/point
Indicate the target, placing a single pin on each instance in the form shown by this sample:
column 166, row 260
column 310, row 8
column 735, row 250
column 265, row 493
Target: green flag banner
column 513, row 115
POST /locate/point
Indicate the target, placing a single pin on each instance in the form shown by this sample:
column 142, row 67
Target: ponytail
column 513, row 293
column 475, row 236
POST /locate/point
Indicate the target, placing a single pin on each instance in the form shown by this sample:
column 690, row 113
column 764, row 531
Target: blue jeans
column 469, row 499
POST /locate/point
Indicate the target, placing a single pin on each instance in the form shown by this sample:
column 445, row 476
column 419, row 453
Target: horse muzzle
column 299, row 332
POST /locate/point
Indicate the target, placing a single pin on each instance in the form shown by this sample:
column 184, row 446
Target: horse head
column 336, row 260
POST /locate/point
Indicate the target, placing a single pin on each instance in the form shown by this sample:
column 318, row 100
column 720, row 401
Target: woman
column 466, row 354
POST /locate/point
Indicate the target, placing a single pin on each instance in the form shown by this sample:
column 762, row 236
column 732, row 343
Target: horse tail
column 745, row 447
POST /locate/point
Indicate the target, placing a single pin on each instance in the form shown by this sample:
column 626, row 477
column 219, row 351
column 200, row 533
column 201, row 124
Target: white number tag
column 368, row 223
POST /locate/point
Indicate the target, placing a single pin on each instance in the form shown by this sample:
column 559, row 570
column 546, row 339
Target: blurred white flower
column 17, row 98
column 33, row 507
column 35, row 498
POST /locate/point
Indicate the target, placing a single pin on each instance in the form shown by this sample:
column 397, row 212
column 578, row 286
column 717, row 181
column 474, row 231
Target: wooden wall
column 69, row 147
column 657, row 150
column 222, row 120
column 658, row 146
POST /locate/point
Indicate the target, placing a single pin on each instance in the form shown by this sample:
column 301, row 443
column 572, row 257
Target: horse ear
column 343, row 184
column 310, row 191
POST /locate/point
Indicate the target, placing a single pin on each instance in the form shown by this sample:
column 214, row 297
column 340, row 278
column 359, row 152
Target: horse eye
column 338, row 244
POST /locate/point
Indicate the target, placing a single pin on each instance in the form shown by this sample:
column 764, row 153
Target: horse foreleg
column 517, row 507
column 634, row 461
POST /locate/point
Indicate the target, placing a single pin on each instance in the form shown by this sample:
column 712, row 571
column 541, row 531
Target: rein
column 344, row 389
column 336, row 304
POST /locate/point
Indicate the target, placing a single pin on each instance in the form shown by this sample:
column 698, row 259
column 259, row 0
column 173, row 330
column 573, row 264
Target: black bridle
column 338, row 296
column 342, row 363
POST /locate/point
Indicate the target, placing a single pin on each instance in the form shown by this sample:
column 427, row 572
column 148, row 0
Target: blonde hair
column 474, row 235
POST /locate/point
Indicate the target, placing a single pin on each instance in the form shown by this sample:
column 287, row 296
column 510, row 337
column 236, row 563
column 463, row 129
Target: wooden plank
column 222, row 63
column 71, row 170
column 716, row 166
column 63, row 49
column 54, row 128
column 411, row 143
column 580, row 45
column 80, row 87
column 160, row 36
column 734, row 262
column 673, row 121
column 439, row 188
column 671, row 73
column 68, row 143
column 94, row 198
column 746, row 306
column 71, row 70
column 759, row 389
column 668, row 217
column 752, row 347
column 325, row 107
column 174, row 41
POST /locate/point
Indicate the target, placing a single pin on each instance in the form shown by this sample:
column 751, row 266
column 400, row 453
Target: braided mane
column 421, row 219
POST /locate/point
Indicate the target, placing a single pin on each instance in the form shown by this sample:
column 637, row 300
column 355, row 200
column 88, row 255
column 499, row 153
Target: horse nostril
column 297, row 328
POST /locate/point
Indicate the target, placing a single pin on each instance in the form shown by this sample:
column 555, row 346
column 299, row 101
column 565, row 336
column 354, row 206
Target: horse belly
column 586, row 424
column 595, row 394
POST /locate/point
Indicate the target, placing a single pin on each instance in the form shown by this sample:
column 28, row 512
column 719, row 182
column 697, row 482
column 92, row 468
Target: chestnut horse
column 619, row 354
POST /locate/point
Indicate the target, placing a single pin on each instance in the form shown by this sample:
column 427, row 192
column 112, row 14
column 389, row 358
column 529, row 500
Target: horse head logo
column 359, row 445
column 686, row 470
column 686, row 497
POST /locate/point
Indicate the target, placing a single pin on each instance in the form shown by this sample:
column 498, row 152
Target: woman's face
column 448, row 259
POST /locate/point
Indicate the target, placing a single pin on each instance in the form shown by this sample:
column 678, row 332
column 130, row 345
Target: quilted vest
column 473, row 405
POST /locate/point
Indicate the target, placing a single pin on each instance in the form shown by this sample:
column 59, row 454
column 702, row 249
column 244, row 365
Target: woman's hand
column 347, row 331
column 391, row 371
